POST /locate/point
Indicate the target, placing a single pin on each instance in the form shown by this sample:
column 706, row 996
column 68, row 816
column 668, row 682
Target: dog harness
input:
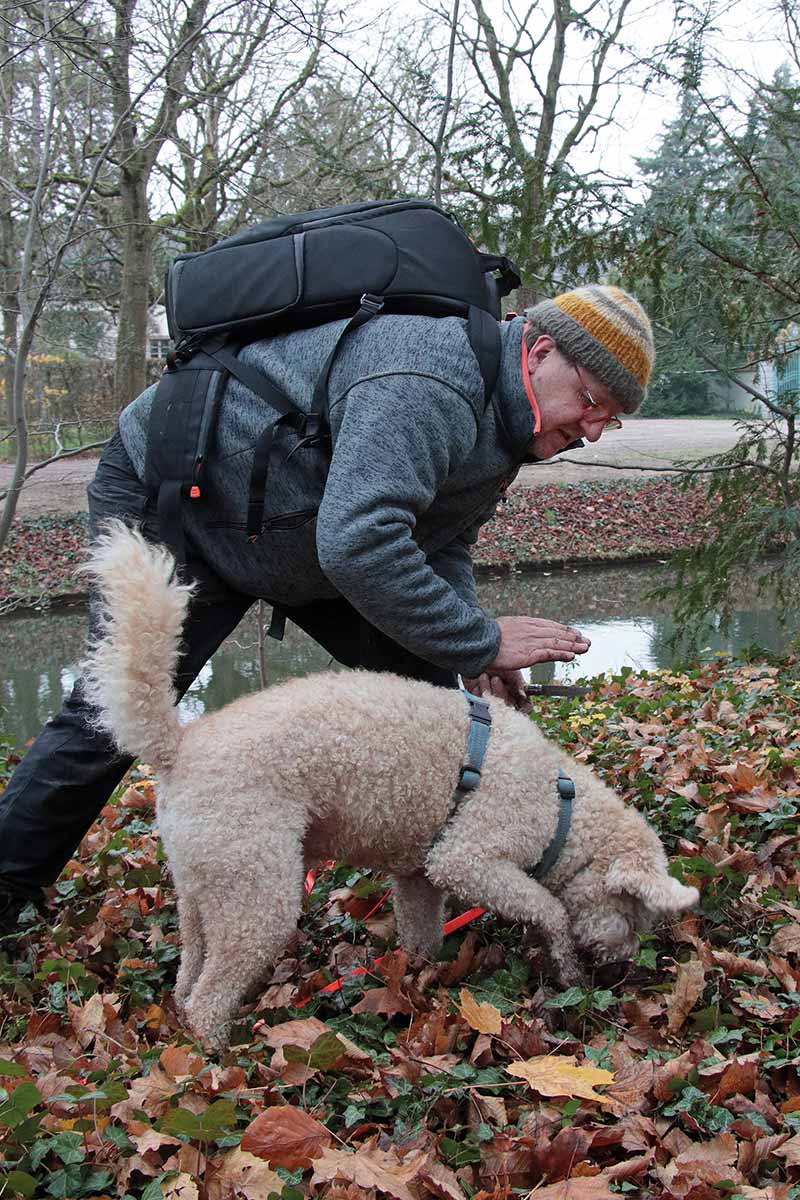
column 469, row 778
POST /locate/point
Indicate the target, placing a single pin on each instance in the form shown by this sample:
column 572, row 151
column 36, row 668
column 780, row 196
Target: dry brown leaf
column 180, row 1187
column 88, row 1020
column 304, row 1033
column 560, row 1075
column 384, row 1001
column 285, row 1136
column 741, row 775
column 776, row 1191
column 243, row 1176
column 151, row 1139
column 689, row 983
column 593, row 1187
column 791, row 1151
column 480, row 1016
column 370, row 1167
column 737, row 964
column 786, row 939
column 180, row 1063
column 440, row 1180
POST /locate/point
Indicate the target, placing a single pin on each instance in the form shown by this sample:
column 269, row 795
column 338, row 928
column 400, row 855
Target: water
column 608, row 604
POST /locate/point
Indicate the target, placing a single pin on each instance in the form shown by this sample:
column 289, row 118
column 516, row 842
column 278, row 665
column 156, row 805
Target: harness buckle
column 468, row 784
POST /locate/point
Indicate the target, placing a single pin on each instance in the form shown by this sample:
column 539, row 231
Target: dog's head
column 610, row 902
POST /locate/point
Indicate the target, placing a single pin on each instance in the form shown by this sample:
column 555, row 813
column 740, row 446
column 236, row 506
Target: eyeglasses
column 588, row 401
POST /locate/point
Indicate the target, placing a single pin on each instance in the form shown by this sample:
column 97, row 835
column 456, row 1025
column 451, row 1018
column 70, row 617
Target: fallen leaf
column 370, row 1167
column 180, row 1187
column 384, row 1001
column 689, row 983
column 593, row 1187
column 285, row 1136
column 181, row 1063
column 480, row 1016
column 786, row 940
column 791, row 1151
column 560, row 1075
column 88, row 1020
column 243, row 1175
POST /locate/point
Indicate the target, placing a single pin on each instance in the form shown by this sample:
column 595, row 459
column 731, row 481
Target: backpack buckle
column 372, row 304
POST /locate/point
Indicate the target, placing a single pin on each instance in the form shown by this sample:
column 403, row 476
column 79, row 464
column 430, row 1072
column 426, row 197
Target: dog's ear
column 659, row 892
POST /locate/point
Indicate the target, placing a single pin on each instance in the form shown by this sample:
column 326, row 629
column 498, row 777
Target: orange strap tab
column 526, row 379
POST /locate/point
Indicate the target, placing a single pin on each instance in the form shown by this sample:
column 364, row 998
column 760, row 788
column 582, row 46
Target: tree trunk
column 10, row 315
column 131, row 356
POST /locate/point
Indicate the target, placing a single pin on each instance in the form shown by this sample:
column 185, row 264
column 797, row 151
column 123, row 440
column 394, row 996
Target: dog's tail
column 129, row 670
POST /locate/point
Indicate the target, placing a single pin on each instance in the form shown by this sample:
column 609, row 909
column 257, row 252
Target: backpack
column 353, row 261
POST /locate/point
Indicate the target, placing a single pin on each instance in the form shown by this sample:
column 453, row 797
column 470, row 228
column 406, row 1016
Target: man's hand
column 525, row 641
column 506, row 685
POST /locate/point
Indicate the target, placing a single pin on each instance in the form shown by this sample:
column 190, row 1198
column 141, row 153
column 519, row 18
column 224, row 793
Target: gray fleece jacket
column 418, row 465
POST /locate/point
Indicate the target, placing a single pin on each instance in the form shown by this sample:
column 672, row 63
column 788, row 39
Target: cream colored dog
column 360, row 767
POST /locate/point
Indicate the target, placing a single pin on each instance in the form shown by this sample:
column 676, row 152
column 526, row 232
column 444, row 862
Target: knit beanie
column 605, row 330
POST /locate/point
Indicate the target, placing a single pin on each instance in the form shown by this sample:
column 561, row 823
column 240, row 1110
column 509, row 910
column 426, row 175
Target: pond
column 608, row 604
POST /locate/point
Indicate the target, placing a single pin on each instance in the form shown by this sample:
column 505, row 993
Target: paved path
column 640, row 443
column 61, row 487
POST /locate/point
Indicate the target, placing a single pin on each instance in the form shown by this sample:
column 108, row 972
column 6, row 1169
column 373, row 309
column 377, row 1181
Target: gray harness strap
column 469, row 778
column 566, row 794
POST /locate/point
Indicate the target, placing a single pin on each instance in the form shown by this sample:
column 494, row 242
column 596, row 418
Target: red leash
column 471, row 914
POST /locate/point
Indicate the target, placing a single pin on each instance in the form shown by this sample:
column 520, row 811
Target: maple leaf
column 285, row 1137
column 242, row 1176
column 370, row 1167
column 482, row 1017
column 584, row 1187
column 689, row 984
column 560, row 1075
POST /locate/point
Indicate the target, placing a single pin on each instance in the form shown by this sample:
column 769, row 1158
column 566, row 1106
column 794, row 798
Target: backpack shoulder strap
column 484, row 337
column 180, row 430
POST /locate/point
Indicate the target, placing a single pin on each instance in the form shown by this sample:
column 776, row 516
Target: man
column 383, row 576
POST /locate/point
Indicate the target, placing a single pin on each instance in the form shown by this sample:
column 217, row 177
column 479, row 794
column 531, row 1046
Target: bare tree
column 549, row 84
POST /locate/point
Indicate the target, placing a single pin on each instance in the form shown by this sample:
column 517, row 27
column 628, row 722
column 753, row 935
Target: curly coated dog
column 353, row 766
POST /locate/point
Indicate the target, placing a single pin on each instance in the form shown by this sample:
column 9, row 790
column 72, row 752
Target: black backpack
column 355, row 261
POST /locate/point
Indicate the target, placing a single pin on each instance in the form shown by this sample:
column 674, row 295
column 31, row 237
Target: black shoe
column 13, row 905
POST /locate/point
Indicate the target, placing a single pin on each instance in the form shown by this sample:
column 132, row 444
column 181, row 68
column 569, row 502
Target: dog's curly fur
column 356, row 766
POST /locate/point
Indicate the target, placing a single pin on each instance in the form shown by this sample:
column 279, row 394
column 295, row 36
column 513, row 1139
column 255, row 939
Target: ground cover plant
column 587, row 521
column 676, row 1078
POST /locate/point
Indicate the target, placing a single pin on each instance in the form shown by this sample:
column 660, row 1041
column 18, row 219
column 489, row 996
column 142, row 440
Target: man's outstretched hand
column 525, row 641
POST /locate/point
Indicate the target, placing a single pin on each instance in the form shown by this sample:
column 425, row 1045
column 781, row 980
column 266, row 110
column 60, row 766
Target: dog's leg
column 192, row 947
column 419, row 911
column 247, row 921
column 503, row 888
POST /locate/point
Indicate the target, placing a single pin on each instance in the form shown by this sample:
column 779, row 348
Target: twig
column 676, row 470
column 556, row 689
column 57, row 458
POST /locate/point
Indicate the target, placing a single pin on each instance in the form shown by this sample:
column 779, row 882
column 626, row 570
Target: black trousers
column 70, row 771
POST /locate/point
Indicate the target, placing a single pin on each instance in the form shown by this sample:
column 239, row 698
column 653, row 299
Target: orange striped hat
column 605, row 330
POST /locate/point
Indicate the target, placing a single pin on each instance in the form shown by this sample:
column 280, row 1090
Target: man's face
column 561, row 394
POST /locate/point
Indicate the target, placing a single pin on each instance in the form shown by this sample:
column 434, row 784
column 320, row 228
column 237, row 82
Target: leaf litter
column 468, row 1077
